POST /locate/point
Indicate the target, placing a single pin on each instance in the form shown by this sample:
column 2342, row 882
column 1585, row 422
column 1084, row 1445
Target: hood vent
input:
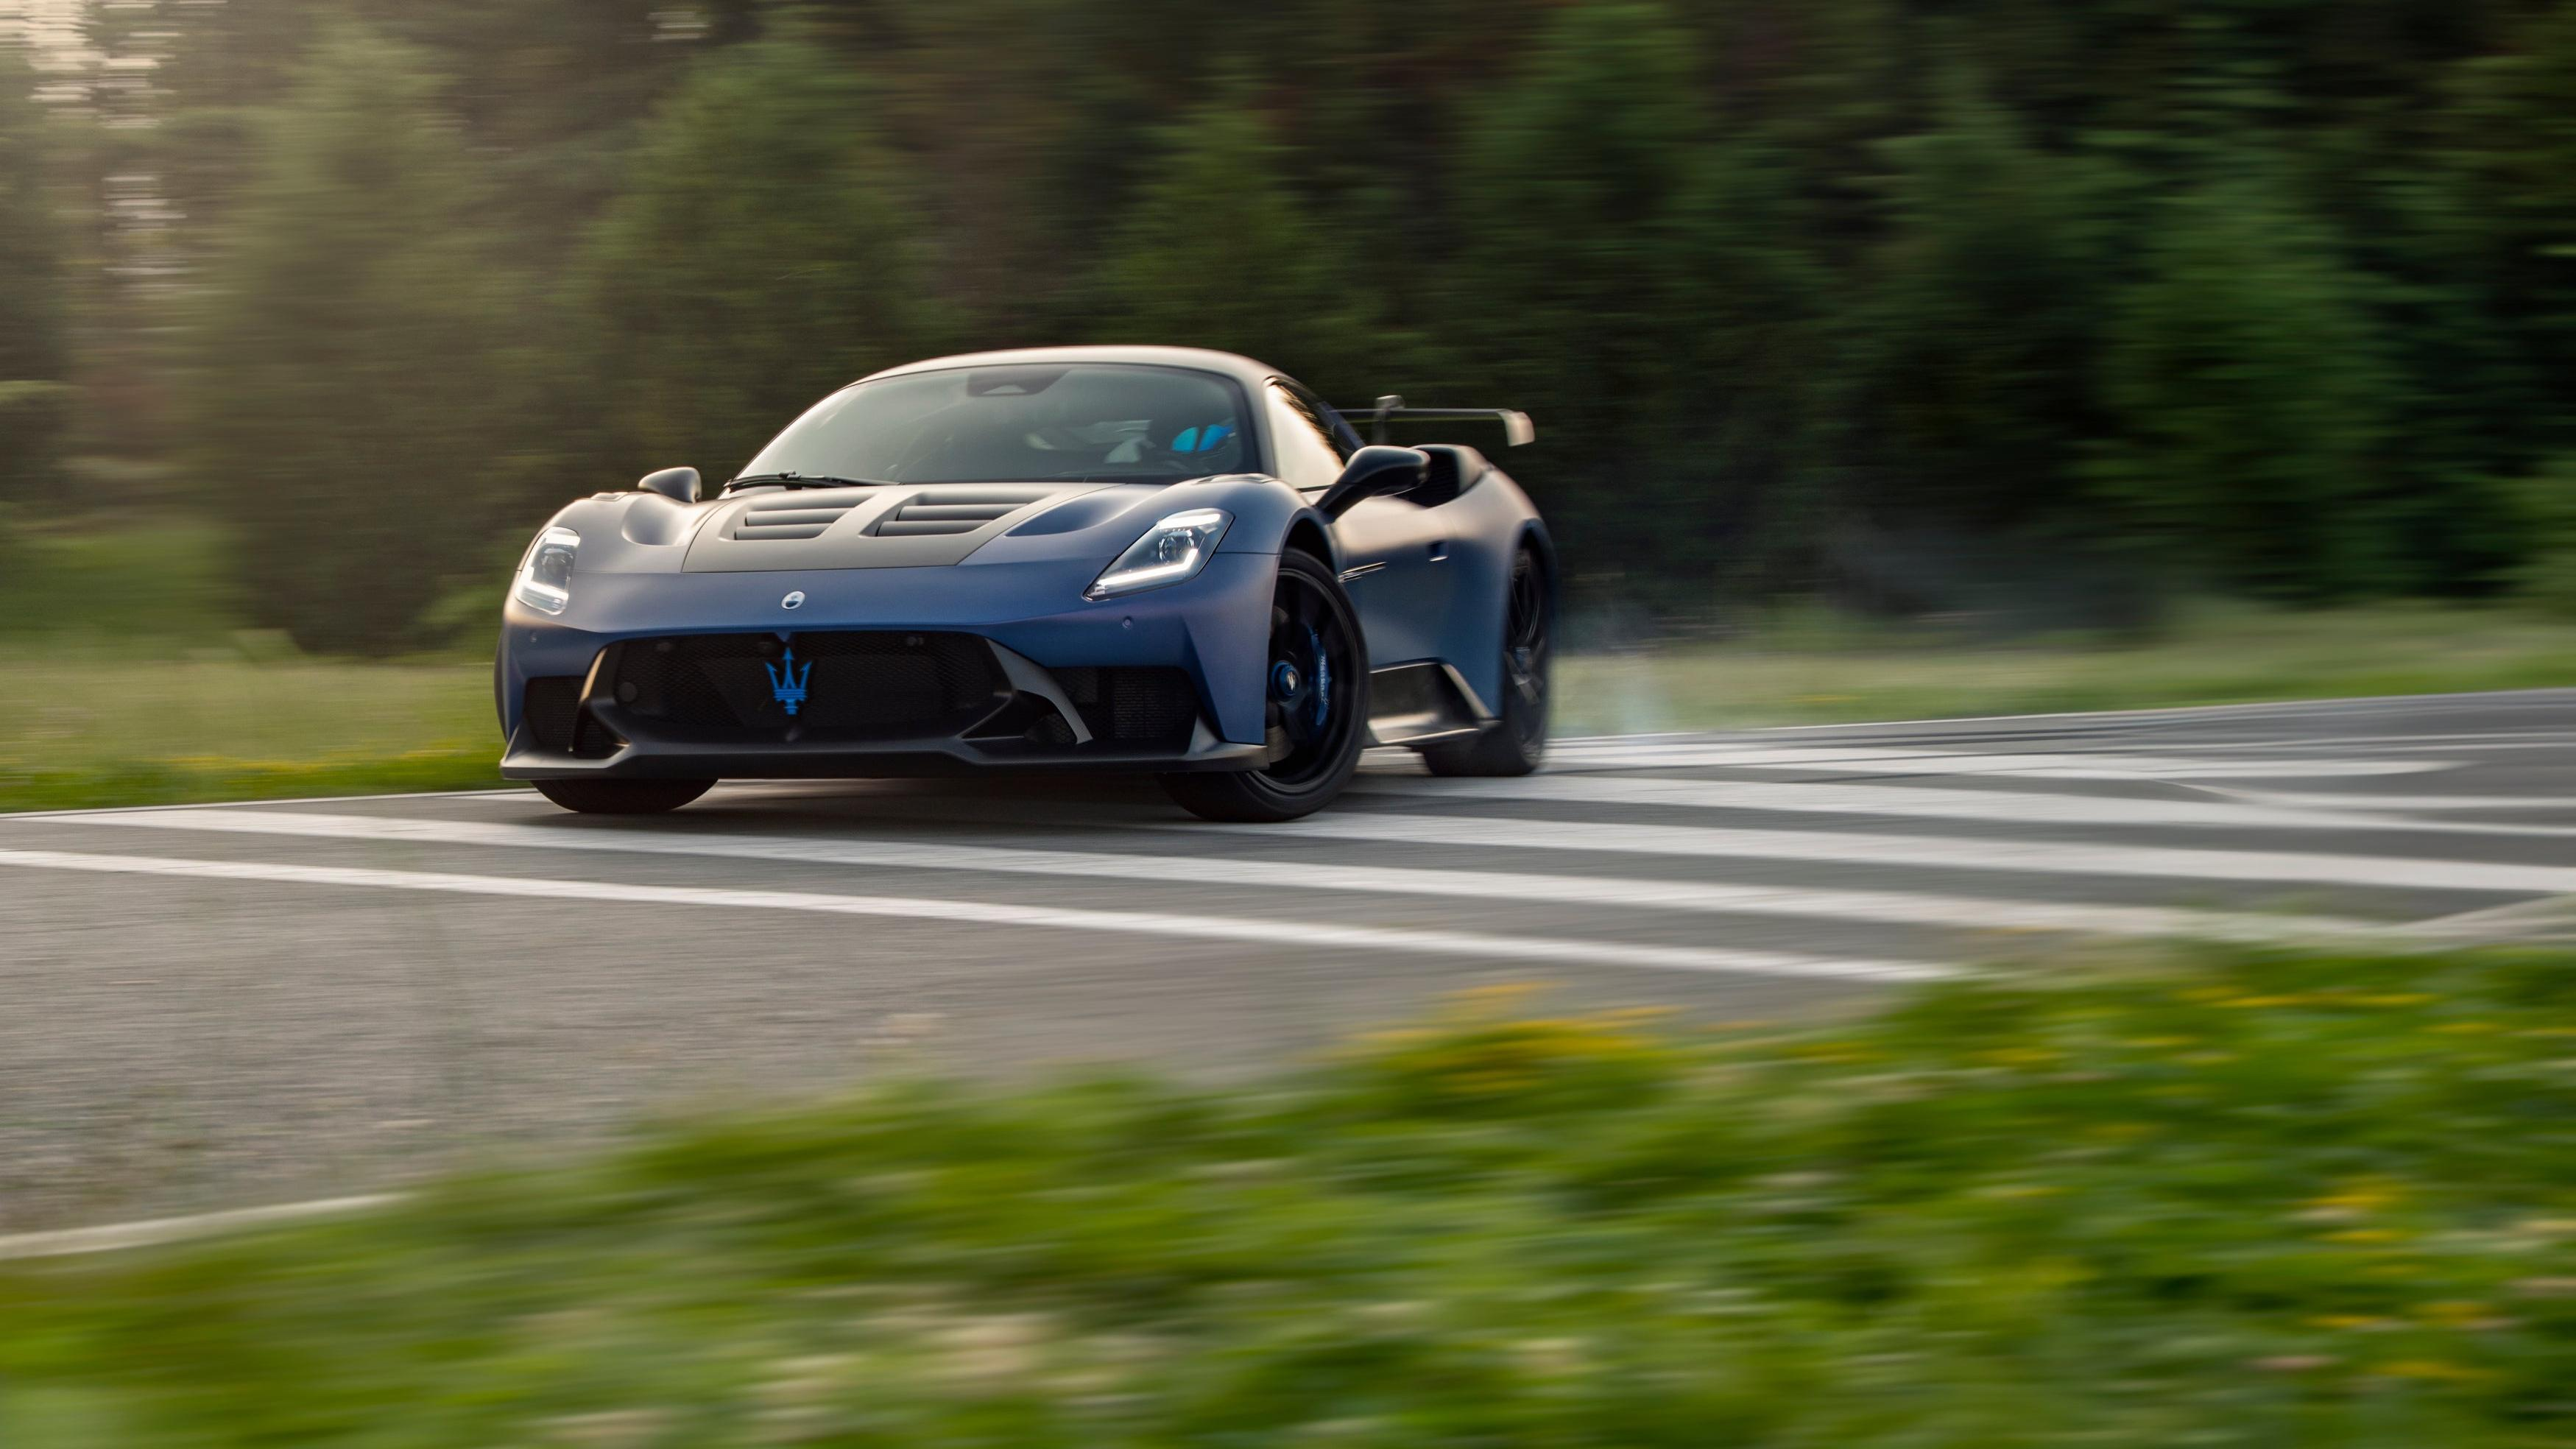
column 962, row 511
column 790, row 517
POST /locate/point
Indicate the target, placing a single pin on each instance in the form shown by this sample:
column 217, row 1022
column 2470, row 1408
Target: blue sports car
column 1134, row 558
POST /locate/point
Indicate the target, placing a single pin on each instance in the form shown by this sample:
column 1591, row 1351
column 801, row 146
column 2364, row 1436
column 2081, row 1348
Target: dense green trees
column 34, row 348
column 350, row 396
column 1923, row 306
column 764, row 248
column 2249, row 395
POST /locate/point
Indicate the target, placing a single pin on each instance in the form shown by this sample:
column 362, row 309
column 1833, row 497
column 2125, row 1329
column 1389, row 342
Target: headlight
column 545, row 575
column 1170, row 551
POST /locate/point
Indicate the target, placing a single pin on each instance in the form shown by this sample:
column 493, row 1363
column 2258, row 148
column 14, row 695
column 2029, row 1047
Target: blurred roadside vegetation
column 2048, row 313
column 2199, row 1197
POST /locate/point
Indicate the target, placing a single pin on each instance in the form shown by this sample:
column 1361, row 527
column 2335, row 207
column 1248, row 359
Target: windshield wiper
column 806, row 480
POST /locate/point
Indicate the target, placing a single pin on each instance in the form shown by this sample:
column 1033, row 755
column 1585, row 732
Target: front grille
column 791, row 517
column 856, row 686
column 1132, row 704
column 956, row 512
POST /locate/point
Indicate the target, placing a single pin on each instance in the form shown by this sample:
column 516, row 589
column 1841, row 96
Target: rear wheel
column 623, row 797
column 1517, row 743
column 1317, row 681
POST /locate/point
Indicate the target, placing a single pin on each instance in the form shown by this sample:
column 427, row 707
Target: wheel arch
column 1308, row 531
column 1534, row 537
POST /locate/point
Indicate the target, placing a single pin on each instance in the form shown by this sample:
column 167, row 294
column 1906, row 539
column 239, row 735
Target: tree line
column 1913, row 304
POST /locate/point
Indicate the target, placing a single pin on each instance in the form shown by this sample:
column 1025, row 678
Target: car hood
column 909, row 526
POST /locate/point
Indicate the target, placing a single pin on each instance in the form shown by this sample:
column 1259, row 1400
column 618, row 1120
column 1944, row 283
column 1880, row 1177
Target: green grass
column 2218, row 1199
column 126, row 680
column 78, row 729
column 159, row 580
column 1823, row 673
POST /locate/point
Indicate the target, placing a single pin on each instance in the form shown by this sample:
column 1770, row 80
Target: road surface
column 204, row 1008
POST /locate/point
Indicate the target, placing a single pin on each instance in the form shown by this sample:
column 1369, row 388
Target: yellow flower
column 2426, row 1368
column 2021, row 1056
column 2360, row 1197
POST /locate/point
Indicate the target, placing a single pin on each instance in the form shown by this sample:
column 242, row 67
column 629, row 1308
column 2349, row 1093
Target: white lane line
column 113, row 1237
column 1973, row 913
column 2048, row 857
column 2431, row 804
column 2404, row 744
column 1304, row 936
column 2550, row 917
column 515, row 790
column 1924, row 801
column 2056, row 766
column 2543, row 697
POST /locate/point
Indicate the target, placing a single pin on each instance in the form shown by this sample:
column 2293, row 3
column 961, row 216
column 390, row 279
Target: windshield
column 1057, row 422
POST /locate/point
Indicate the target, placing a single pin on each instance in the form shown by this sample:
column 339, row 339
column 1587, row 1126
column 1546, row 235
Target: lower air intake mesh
column 1133, row 704
column 556, row 720
column 549, row 707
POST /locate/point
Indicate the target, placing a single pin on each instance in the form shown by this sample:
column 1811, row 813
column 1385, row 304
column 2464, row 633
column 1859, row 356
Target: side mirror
column 680, row 485
column 1375, row 471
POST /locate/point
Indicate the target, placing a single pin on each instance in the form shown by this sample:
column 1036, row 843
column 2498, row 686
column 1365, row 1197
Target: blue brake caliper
column 1323, row 678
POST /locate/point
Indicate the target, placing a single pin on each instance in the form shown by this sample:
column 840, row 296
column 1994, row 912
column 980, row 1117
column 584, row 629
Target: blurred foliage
column 351, row 391
column 2002, row 305
column 35, row 362
column 2250, row 396
column 2206, row 1198
column 763, row 239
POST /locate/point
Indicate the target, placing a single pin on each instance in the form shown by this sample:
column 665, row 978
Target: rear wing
column 1391, row 409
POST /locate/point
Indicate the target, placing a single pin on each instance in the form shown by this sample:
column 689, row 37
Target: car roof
column 1201, row 359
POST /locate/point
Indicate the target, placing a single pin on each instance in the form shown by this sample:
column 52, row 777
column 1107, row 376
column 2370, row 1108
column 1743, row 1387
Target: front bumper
column 1213, row 629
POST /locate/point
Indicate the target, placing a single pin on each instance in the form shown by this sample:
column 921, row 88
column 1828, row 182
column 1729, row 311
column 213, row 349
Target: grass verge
column 90, row 725
column 1829, row 673
column 2233, row 1198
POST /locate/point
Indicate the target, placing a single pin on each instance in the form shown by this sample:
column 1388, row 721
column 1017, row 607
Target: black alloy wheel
column 1516, row 743
column 1316, row 688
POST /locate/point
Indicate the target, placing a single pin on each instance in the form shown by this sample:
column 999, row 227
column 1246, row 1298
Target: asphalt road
column 206, row 1007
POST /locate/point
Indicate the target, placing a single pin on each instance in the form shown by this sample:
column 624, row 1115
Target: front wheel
column 1515, row 744
column 1317, row 681
column 623, row 797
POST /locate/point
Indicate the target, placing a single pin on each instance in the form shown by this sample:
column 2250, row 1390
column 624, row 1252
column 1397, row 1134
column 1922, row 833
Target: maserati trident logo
column 787, row 682
column 795, row 600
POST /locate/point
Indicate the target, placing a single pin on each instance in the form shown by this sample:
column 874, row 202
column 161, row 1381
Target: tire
column 623, row 797
column 1317, row 706
column 1516, row 744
